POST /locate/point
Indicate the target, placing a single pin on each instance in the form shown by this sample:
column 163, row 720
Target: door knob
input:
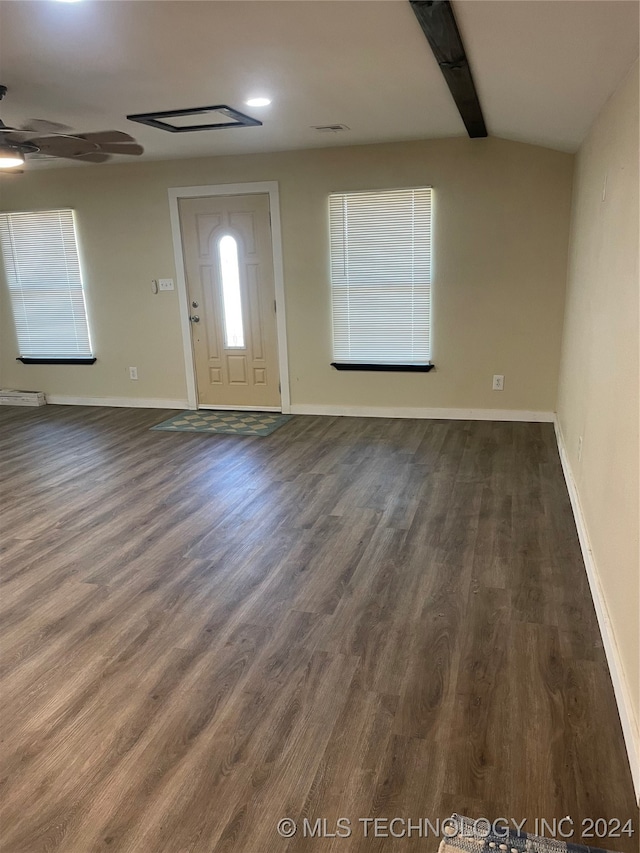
column 194, row 318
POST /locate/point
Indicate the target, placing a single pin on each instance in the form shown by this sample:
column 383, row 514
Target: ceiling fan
column 44, row 139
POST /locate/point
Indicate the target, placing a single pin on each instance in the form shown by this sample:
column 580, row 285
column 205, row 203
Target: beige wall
column 599, row 378
column 501, row 235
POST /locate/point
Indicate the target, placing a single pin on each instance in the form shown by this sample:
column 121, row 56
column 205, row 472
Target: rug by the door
column 481, row 836
column 229, row 423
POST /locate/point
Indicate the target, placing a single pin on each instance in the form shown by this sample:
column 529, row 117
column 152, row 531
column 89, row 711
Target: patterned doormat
column 463, row 835
column 229, row 423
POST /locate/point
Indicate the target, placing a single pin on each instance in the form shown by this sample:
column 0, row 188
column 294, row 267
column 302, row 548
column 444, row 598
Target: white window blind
column 45, row 284
column 381, row 276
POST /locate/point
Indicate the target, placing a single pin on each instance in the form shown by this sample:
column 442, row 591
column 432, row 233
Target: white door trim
column 264, row 187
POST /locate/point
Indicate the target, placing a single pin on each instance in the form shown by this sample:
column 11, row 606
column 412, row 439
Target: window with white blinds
column 45, row 285
column 381, row 276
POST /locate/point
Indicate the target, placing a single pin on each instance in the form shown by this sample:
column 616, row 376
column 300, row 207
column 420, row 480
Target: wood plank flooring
column 351, row 618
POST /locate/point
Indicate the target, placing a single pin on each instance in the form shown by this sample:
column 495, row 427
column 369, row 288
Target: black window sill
column 389, row 368
column 26, row 360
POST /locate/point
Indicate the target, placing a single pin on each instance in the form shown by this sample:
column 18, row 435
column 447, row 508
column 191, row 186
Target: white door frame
column 265, row 187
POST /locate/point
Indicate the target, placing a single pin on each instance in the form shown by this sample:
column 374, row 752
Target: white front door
column 228, row 261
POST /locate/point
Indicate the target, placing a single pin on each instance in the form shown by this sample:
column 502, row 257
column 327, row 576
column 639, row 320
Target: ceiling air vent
column 329, row 128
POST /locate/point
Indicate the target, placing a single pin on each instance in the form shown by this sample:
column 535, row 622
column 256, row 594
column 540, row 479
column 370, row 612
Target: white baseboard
column 423, row 413
column 620, row 684
column 118, row 402
column 314, row 409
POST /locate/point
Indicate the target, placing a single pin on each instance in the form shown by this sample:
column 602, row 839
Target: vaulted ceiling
column 543, row 68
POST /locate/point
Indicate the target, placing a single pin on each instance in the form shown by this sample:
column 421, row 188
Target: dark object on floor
column 481, row 835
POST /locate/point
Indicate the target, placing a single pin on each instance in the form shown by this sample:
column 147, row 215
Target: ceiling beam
column 439, row 26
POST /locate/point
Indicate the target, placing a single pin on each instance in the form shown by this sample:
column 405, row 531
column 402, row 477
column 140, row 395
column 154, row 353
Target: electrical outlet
column 133, row 373
column 498, row 382
column 579, row 448
column 165, row 284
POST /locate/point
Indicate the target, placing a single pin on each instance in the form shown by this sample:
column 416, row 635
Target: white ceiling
column 543, row 68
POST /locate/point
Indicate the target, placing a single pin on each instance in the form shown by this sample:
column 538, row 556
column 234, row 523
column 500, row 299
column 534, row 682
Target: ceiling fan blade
column 14, row 135
column 124, row 148
column 63, row 146
column 40, row 125
column 103, row 136
column 95, row 157
column 91, row 157
column 11, row 172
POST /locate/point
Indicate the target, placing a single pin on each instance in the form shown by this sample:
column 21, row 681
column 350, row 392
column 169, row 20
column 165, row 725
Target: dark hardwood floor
column 351, row 618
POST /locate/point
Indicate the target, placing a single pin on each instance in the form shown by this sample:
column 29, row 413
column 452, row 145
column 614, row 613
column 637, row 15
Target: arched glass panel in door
column 231, row 296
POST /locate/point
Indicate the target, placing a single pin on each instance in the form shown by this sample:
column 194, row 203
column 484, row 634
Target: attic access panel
column 186, row 121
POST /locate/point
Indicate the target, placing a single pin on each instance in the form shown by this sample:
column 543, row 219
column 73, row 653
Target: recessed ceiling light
column 258, row 102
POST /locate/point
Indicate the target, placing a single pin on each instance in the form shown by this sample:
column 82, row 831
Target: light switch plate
column 165, row 284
